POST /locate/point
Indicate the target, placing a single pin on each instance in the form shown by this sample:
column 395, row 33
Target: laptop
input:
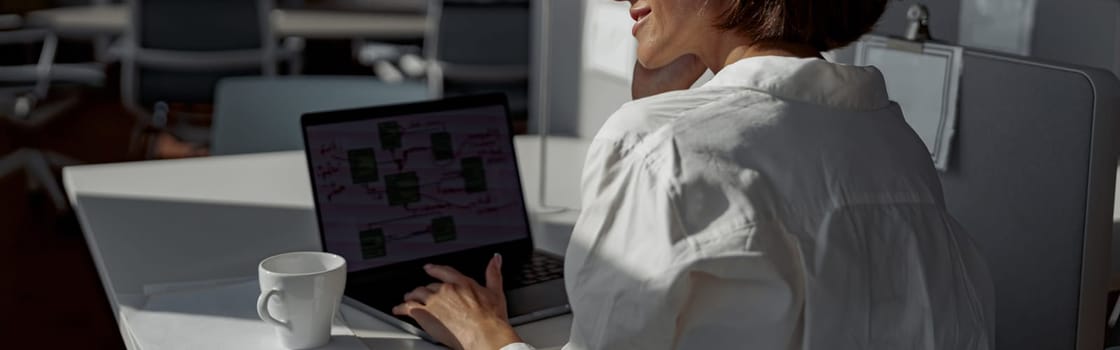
column 400, row 186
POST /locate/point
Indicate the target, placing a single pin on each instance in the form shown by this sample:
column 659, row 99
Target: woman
column 785, row 204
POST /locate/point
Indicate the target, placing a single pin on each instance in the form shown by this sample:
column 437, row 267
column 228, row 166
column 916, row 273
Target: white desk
column 85, row 21
column 170, row 215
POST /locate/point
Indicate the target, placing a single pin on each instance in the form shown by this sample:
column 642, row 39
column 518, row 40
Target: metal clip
column 918, row 15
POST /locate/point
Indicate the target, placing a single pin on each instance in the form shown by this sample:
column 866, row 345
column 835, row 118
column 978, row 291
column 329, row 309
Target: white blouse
column 785, row 204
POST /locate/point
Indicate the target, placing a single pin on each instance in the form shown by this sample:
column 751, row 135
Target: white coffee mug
column 300, row 293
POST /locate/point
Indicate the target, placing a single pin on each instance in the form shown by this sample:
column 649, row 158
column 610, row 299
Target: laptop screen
column 392, row 189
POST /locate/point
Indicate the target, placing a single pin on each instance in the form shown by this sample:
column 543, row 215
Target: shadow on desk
column 144, row 241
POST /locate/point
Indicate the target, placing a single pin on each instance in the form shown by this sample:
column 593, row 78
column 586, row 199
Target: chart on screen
column 404, row 188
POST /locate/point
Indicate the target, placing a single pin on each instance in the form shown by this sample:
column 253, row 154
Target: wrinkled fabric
column 785, row 204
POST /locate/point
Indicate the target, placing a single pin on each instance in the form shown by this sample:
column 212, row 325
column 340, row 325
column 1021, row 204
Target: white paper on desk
column 1000, row 25
column 222, row 317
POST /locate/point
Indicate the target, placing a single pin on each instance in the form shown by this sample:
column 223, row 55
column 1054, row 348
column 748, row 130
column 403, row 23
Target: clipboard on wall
column 924, row 79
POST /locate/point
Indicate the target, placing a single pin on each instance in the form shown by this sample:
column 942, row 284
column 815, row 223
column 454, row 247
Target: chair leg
column 45, row 113
column 293, row 48
column 40, row 168
column 38, row 165
column 1115, row 313
column 146, row 124
column 21, row 110
column 295, row 65
column 12, row 162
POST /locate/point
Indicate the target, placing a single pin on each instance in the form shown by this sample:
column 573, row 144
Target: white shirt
column 785, row 204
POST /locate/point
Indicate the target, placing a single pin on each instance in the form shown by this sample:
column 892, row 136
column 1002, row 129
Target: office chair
column 22, row 87
column 475, row 45
column 177, row 50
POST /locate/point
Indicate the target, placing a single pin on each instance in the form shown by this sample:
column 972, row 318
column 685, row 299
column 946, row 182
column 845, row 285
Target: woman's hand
column 459, row 312
column 678, row 75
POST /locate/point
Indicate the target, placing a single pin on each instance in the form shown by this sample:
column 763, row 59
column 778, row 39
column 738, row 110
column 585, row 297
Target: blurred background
column 102, row 81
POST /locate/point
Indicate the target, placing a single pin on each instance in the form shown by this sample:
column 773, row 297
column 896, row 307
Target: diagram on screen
column 398, row 189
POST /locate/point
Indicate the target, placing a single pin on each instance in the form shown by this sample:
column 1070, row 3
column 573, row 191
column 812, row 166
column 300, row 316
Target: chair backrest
column 260, row 114
column 165, row 33
column 201, row 25
column 1032, row 179
column 479, row 40
column 494, row 32
column 480, row 46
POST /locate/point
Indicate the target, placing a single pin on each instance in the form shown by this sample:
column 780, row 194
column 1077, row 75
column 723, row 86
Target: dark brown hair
column 822, row 24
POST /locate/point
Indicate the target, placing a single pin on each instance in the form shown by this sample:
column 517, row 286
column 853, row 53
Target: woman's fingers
column 406, row 308
column 447, row 274
column 494, row 274
column 420, row 294
column 454, row 310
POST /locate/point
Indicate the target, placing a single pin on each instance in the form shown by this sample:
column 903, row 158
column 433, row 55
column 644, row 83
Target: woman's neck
column 733, row 48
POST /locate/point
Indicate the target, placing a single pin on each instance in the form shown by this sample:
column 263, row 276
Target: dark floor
column 51, row 293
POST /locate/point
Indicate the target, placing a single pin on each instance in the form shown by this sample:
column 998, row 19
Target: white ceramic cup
column 300, row 293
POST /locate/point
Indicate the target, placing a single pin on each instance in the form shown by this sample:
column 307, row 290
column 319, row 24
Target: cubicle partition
column 1032, row 179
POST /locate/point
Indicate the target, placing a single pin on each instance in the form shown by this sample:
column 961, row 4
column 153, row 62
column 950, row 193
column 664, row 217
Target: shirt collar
column 811, row 80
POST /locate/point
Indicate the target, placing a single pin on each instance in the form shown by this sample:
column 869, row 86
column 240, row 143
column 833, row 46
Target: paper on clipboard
column 1001, row 25
column 924, row 79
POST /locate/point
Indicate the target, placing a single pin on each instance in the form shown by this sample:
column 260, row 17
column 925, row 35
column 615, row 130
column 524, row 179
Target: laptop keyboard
column 540, row 268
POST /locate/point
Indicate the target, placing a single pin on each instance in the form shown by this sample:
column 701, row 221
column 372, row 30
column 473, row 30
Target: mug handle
column 262, row 309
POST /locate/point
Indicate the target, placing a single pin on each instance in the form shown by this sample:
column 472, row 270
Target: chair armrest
column 22, row 36
column 10, row 21
column 195, row 60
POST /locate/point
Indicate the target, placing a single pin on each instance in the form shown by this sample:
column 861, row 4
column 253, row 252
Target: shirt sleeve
column 517, row 346
column 659, row 261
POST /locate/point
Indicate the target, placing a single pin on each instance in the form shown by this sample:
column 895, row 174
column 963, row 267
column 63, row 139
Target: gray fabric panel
column 262, row 114
column 1017, row 182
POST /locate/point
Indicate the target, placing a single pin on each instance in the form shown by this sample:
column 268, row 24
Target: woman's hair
column 822, row 24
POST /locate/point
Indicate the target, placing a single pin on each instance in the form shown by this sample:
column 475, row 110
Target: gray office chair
column 479, row 45
column 177, row 50
column 260, row 114
column 1032, row 179
column 22, row 87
